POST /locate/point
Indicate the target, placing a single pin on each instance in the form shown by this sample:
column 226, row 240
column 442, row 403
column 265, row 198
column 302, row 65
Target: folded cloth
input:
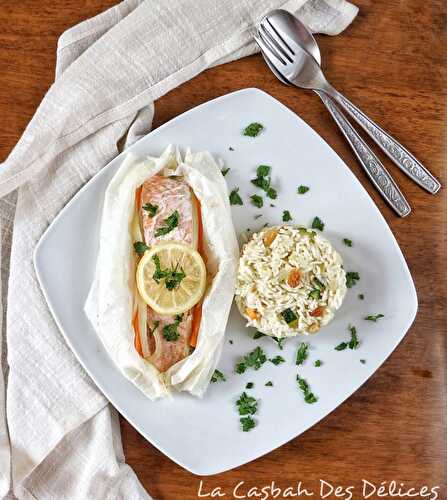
column 58, row 436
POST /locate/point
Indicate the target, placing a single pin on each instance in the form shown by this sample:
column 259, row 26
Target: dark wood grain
column 391, row 61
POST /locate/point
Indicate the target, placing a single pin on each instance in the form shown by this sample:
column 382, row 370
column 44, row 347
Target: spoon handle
column 395, row 151
column 376, row 171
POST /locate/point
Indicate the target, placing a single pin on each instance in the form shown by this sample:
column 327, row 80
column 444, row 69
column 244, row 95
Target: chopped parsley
column 375, row 317
column 363, row 361
column 258, row 335
column 156, row 323
column 309, row 397
column 151, row 209
column 231, row 149
column 235, row 199
column 317, row 291
column 286, row 217
column 302, row 353
column 353, row 343
column 253, row 130
column 347, row 242
column 257, row 200
column 302, row 189
column 231, row 342
column 317, row 223
column 361, row 296
column 290, row 317
column 280, row 342
column 247, row 423
column 225, row 171
column 249, row 385
column 170, row 332
column 261, row 182
column 318, row 363
column 171, row 223
column 315, row 294
column 341, row 347
column 246, row 405
column 257, row 216
column 172, row 276
column 263, row 171
column 269, row 384
column 254, row 359
column 140, row 247
column 218, row 376
column 351, row 278
column 277, row 360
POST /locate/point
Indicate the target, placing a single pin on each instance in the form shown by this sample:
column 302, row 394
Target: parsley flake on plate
column 170, row 222
column 302, row 353
column 170, row 332
column 374, row 317
column 351, row 278
column 249, row 385
column 269, row 384
column 361, row 296
column 277, row 360
column 261, row 182
column 253, row 130
column 341, row 347
column 309, row 396
column 286, row 217
column 254, row 359
column 247, row 423
column 231, row 149
column 280, row 342
column 353, row 343
column 246, row 405
column 347, row 242
column 151, row 209
column 363, row 361
column 318, row 363
column 140, row 247
column 272, row 193
column 218, row 376
column 257, row 200
column 225, row 171
column 235, row 199
column 302, row 189
column 263, row 171
column 317, row 223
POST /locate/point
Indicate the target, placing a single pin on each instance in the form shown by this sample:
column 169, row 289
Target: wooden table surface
column 391, row 61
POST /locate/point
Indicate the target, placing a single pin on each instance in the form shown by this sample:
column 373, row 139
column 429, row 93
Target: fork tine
column 270, row 53
column 274, row 45
column 278, row 38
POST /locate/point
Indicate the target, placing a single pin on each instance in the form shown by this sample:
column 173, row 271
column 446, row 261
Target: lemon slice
column 171, row 277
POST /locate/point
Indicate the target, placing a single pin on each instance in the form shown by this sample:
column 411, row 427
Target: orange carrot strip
column 137, row 339
column 197, row 313
column 196, row 319
column 138, row 197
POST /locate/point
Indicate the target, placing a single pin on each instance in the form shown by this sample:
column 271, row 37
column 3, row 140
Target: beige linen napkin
column 59, row 438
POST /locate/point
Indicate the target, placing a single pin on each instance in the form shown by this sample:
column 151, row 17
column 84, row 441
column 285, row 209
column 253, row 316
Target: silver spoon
column 292, row 38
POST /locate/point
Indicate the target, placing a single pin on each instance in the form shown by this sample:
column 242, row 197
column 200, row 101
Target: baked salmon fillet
column 168, row 211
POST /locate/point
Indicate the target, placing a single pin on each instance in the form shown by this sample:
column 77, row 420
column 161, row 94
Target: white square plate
column 204, row 436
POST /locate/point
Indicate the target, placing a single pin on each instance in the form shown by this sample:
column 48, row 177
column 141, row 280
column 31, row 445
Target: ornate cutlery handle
column 374, row 168
column 395, row 151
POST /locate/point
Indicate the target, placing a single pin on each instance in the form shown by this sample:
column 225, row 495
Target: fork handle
column 378, row 174
column 395, row 151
